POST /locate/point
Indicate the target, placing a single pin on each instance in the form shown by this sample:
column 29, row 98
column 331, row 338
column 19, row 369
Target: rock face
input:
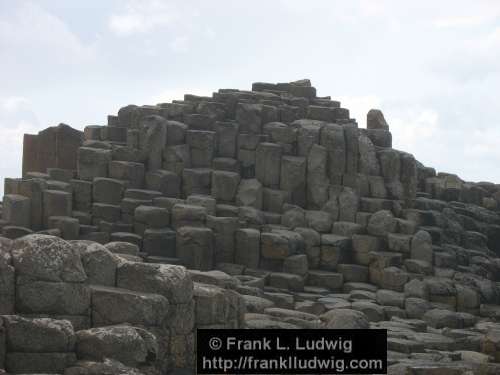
column 63, row 301
column 267, row 208
column 54, row 147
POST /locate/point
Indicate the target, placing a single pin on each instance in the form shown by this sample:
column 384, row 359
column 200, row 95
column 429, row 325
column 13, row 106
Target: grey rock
column 152, row 140
column 202, row 145
column 56, row 298
column 249, row 193
column 93, row 162
column 247, row 250
column 172, row 282
column 225, row 185
column 38, row 335
column 368, row 162
column 317, row 177
column 16, row 210
column 56, row 203
column 320, row 221
column 296, row 264
column 381, row 223
column 375, row 120
column 166, row 182
column 39, row 363
column 129, row 345
column 68, row 226
column 184, row 214
column 107, row 366
column 421, row 247
column 129, row 171
column 115, row 306
column 268, row 164
column 47, row 258
column 98, row 262
column 122, row 248
column 332, row 138
column 345, row 319
column 195, row 247
column 293, row 178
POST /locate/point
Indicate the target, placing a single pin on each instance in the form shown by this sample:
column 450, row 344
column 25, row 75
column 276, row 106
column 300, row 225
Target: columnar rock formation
column 276, row 203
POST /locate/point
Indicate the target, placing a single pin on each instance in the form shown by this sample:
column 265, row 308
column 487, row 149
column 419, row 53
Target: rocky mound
column 267, row 208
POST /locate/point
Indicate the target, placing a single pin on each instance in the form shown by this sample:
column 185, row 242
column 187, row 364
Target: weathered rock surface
column 268, row 208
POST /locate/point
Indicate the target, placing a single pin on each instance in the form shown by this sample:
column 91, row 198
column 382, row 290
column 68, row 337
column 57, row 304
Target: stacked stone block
column 35, row 345
column 266, row 149
column 78, row 303
column 305, row 212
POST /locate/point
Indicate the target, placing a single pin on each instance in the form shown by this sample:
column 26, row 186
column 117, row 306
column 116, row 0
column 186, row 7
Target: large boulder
column 115, row 306
column 129, row 345
column 215, row 305
column 55, row 298
column 38, row 335
column 381, row 223
column 375, row 120
column 170, row 281
column 47, row 258
column 99, row 263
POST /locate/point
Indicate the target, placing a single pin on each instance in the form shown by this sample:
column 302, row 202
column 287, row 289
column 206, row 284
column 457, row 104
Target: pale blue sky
column 432, row 67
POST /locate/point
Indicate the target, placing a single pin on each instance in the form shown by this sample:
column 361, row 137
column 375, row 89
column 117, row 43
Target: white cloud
column 484, row 143
column 30, row 29
column 180, row 44
column 458, row 16
column 143, row 16
column 418, row 131
column 16, row 119
column 15, row 110
column 180, row 23
column 210, row 33
column 415, row 123
column 491, row 40
column 359, row 106
column 13, row 103
column 457, row 21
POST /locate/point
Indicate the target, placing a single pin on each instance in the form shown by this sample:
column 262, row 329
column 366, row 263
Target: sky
column 433, row 68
